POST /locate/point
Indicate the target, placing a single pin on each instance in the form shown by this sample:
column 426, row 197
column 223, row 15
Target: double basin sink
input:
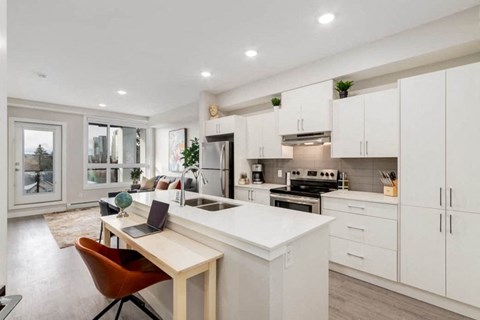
column 209, row 205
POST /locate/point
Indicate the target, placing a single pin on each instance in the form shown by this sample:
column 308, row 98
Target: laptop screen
column 158, row 214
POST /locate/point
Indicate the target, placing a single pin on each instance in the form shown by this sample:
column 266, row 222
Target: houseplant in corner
column 342, row 88
column 190, row 157
column 135, row 176
column 276, row 102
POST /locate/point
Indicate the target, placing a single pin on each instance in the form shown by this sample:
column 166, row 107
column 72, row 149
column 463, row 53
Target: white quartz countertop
column 266, row 228
column 263, row 186
column 361, row 196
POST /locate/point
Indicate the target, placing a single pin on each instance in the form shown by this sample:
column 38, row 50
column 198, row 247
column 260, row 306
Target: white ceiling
column 155, row 50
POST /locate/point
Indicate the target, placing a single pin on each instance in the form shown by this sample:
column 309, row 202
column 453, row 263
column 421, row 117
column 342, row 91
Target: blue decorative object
column 123, row 200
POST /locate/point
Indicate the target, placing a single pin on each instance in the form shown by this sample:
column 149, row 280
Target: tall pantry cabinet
column 440, row 205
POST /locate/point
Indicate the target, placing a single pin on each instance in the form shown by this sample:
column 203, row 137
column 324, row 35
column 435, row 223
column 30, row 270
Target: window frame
column 108, row 166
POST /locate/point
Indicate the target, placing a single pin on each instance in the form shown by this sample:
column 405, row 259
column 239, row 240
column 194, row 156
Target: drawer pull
column 355, row 255
column 356, row 207
column 356, row 228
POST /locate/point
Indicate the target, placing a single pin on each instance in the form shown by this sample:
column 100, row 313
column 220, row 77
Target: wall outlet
column 288, row 257
column 280, row 173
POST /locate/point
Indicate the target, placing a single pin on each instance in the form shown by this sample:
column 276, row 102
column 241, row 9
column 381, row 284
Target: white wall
column 75, row 192
column 420, row 46
column 161, row 145
column 3, row 142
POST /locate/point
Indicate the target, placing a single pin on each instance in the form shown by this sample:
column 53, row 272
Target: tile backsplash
column 362, row 173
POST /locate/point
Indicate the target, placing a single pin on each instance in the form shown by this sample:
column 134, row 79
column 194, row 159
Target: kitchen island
column 275, row 263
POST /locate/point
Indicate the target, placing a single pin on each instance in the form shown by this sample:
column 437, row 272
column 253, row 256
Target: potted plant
column 135, row 176
column 190, row 157
column 276, row 102
column 342, row 88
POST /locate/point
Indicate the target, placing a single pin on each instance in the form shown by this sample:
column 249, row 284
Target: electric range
column 305, row 189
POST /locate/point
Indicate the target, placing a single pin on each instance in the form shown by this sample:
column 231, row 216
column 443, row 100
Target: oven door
column 305, row 204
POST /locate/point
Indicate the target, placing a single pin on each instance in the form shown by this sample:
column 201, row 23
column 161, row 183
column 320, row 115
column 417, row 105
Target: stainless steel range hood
column 306, row 139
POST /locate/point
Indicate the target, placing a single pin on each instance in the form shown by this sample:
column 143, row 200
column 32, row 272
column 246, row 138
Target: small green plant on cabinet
column 135, row 174
column 342, row 88
column 276, row 102
column 190, row 155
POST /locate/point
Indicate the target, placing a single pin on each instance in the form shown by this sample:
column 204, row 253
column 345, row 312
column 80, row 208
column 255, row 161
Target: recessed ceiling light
column 103, row 105
column 326, row 18
column 206, row 74
column 251, row 53
column 122, row 92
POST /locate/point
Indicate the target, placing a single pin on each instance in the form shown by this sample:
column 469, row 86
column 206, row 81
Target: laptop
column 157, row 217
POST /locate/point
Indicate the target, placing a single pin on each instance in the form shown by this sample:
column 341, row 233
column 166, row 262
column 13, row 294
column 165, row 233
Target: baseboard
column 81, row 205
column 3, row 291
column 18, row 213
column 436, row 300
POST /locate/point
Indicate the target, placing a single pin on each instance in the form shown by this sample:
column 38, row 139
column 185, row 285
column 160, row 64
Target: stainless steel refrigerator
column 217, row 167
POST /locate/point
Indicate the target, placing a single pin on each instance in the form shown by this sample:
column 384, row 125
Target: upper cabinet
column 263, row 139
column 220, row 126
column 307, row 109
column 366, row 126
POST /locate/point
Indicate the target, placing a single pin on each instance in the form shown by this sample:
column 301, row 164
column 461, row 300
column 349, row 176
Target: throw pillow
column 173, row 185
column 162, row 184
column 147, row 184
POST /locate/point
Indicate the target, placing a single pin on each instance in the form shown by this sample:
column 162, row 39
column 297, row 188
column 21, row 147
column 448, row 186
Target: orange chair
column 118, row 273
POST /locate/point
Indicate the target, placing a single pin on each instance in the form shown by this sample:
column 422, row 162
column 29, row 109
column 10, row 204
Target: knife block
column 391, row 191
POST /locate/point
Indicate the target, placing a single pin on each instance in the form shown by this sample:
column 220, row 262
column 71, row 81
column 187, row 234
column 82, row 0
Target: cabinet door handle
column 249, row 195
column 441, row 202
column 366, row 148
column 298, row 124
column 302, row 126
column 441, row 222
column 357, row 207
column 253, row 193
column 263, row 152
column 451, row 225
column 356, row 228
column 355, row 255
column 361, row 143
column 259, row 152
column 451, row 194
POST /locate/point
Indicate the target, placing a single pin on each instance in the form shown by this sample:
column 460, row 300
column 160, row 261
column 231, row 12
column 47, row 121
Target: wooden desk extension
column 178, row 256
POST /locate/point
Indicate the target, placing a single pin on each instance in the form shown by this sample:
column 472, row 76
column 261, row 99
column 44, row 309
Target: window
column 113, row 150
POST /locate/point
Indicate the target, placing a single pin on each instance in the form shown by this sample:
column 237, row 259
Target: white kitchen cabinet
column 422, row 164
column 258, row 196
column 348, row 128
column 263, row 139
column 366, row 126
column 438, row 183
column 463, row 135
column 220, row 126
column 422, row 253
column 363, row 235
column 463, row 257
column 307, row 109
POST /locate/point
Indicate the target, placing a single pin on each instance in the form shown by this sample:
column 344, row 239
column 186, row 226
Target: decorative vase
column 276, row 107
column 343, row 94
column 123, row 200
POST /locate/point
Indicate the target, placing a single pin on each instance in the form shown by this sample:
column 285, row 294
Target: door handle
column 16, row 169
column 302, row 126
column 366, row 148
column 361, row 143
column 441, row 222
column 451, row 225
column 451, row 194
column 441, row 197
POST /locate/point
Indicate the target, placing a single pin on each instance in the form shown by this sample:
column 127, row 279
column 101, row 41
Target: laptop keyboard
column 145, row 228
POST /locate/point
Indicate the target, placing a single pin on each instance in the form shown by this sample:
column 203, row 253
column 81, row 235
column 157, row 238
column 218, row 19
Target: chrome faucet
column 182, row 179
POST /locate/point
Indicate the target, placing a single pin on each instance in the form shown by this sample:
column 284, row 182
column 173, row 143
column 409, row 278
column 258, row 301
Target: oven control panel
column 324, row 174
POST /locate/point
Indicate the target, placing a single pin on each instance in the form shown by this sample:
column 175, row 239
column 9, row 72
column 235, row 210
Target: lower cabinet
column 439, row 252
column 363, row 235
column 258, row 196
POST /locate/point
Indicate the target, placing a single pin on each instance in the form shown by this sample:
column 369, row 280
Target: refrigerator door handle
column 222, row 168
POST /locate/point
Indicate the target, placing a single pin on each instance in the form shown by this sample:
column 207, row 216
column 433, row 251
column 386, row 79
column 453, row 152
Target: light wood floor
column 55, row 284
